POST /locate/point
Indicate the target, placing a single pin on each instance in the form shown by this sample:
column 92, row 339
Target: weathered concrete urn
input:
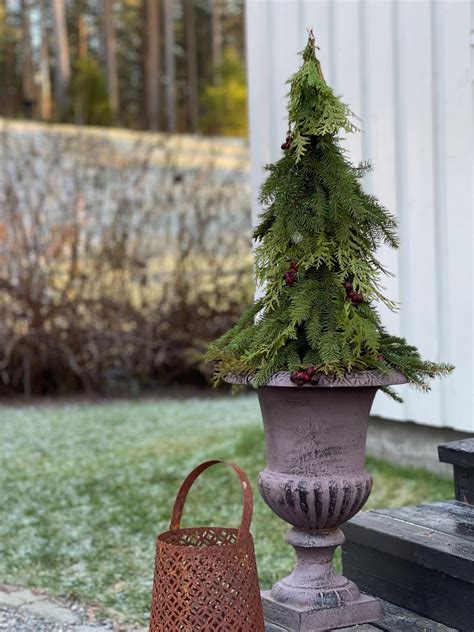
column 315, row 480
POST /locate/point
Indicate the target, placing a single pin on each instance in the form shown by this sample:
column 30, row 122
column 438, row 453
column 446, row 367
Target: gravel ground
column 24, row 610
column 24, row 621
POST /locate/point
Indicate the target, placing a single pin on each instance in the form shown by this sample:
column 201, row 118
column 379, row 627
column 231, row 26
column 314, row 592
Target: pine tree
column 316, row 257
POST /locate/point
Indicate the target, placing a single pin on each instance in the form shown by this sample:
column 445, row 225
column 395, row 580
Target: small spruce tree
column 316, row 258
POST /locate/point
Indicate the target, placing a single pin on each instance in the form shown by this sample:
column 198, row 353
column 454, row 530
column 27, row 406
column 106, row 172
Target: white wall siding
column 406, row 68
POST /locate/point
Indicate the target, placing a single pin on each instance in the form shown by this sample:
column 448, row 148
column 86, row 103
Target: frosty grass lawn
column 86, row 487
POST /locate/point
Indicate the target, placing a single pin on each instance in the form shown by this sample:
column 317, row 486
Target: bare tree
column 82, row 47
column 111, row 57
column 170, row 65
column 28, row 85
column 191, row 58
column 216, row 33
column 7, row 67
column 45, row 99
column 153, row 63
column 63, row 62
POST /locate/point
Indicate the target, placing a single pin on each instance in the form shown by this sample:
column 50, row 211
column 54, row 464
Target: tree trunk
column 191, row 56
column 7, row 64
column 28, row 85
column 46, row 108
column 82, row 47
column 170, row 66
column 63, row 62
column 111, row 57
column 153, row 63
column 216, row 35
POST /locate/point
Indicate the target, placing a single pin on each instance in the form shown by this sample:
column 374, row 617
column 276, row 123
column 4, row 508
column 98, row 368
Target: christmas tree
column 316, row 258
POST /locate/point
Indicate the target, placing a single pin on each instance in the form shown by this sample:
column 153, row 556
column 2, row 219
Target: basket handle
column 247, row 495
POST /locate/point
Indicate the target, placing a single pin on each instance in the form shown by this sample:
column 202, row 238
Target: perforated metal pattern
column 206, row 577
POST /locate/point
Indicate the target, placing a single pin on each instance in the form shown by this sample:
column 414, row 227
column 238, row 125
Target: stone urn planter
column 315, row 480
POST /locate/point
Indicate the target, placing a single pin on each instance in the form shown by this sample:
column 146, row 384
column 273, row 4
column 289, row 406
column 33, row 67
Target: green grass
column 85, row 489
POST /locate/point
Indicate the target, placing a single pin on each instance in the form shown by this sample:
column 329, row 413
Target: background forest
column 122, row 253
column 174, row 65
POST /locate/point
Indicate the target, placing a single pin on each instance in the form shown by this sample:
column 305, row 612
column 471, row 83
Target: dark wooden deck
column 421, row 558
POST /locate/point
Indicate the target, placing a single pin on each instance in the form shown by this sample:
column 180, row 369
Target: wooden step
column 461, row 456
column 395, row 619
column 421, row 558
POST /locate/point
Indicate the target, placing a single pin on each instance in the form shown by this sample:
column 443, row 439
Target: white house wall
column 405, row 67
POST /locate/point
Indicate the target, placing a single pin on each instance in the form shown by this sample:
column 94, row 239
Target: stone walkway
column 24, row 610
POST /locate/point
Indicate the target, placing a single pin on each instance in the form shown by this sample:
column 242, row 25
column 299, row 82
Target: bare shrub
column 116, row 266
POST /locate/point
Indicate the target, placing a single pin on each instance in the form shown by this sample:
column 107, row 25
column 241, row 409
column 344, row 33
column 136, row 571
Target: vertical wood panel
column 452, row 108
column 404, row 67
column 317, row 15
column 414, row 129
column 260, row 95
column 285, row 59
column 380, row 149
column 347, row 81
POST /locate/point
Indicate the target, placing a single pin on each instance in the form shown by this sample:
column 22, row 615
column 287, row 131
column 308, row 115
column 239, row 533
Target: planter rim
column 361, row 378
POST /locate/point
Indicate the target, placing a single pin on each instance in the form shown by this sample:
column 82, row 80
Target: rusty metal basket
column 206, row 577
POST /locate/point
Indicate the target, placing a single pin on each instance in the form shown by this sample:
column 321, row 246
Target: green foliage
column 89, row 97
column 317, row 215
column 314, row 110
column 225, row 103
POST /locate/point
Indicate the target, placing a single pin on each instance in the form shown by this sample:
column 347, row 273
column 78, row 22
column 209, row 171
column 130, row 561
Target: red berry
column 287, row 143
column 299, row 377
column 311, row 370
column 348, row 285
column 381, row 358
column 306, row 377
column 293, row 377
column 294, row 266
column 356, row 298
column 289, row 278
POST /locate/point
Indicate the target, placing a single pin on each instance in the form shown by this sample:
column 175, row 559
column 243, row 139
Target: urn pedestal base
column 284, row 618
column 315, row 596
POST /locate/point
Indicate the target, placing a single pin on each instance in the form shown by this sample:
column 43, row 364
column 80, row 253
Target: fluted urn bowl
column 315, row 480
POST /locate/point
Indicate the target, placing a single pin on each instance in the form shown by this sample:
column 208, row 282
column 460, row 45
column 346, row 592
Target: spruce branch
column 316, row 256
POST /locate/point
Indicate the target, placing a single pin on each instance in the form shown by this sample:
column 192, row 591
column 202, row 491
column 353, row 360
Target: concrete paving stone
column 16, row 598
column 51, row 611
column 23, row 610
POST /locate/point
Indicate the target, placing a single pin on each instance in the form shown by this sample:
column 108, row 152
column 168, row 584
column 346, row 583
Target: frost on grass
column 86, row 488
